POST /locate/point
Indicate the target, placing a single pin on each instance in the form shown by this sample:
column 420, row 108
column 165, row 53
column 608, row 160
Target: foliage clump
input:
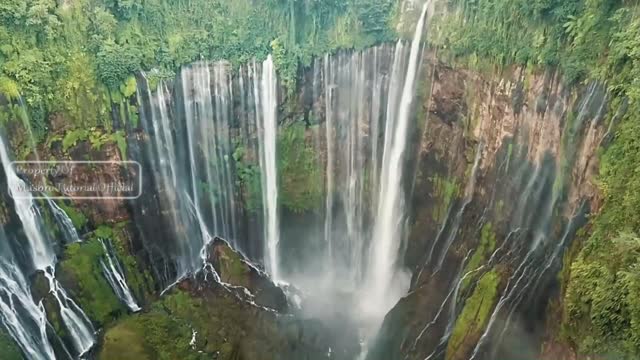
column 8, row 348
column 475, row 315
column 301, row 179
column 81, row 269
column 77, row 57
column 482, row 253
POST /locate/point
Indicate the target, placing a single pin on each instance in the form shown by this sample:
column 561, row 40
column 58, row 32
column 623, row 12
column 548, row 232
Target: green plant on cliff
column 165, row 331
column 584, row 41
column 446, row 189
column 64, row 57
column 248, row 179
column 156, row 334
column 602, row 305
column 482, row 253
column 8, row 349
column 118, row 235
column 605, row 249
column 78, row 219
column 300, row 174
column 474, row 315
column 80, row 271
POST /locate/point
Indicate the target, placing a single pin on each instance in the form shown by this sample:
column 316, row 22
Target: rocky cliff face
column 498, row 179
column 504, row 177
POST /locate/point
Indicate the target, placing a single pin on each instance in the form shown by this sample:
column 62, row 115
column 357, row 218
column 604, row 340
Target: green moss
column 232, row 270
column 81, row 272
column 162, row 333
column 446, row 189
column 128, row 89
column 474, row 316
column 8, row 347
column 124, row 341
column 485, row 248
column 103, row 232
column 299, row 172
column 117, row 234
column 78, row 219
column 72, row 137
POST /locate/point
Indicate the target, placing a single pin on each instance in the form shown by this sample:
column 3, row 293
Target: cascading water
column 42, row 258
column 384, row 282
column 197, row 134
column 62, row 219
column 116, row 279
column 74, row 319
column 268, row 126
column 18, row 312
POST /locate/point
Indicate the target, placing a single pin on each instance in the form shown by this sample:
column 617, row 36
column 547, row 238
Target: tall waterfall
column 42, row 258
column 18, row 311
column 206, row 128
column 268, row 122
column 385, row 283
column 199, row 129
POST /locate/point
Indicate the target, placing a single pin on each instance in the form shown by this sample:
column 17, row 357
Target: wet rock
column 236, row 270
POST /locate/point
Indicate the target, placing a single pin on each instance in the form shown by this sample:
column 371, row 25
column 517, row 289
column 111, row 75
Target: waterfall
column 64, row 222
column 328, row 216
column 268, row 123
column 349, row 130
column 116, row 279
column 74, row 319
column 18, row 311
column 43, row 258
column 196, row 129
column 207, row 103
column 384, row 282
column 41, row 251
column 170, row 178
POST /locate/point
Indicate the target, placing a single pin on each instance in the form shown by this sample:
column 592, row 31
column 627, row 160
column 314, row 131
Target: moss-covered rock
column 474, row 317
column 80, row 272
column 482, row 253
column 124, row 341
column 301, row 177
column 235, row 269
column 202, row 319
column 8, row 348
column 78, row 219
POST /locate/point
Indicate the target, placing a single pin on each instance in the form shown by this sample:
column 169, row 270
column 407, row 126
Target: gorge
column 362, row 179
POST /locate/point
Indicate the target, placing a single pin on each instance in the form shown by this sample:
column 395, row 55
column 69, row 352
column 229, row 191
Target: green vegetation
column 602, row 309
column 482, row 253
column 446, row 190
column 301, row 176
column 248, row 179
column 165, row 331
column 77, row 58
column 97, row 137
column 138, row 281
column 78, row 219
column 80, row 271
column 8, row 348
column 474, row 316
column 584, row 40
column 153, row 335
column 232, row 270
